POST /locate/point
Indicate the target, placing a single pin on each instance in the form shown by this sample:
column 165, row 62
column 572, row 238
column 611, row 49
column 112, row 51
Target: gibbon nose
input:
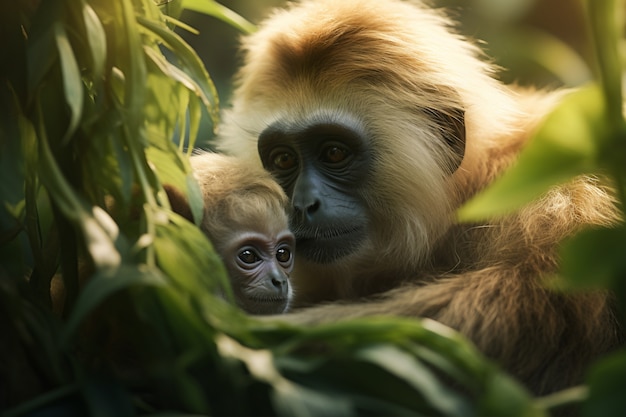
column 280, row 284
column 307, row 209
column 306, row 198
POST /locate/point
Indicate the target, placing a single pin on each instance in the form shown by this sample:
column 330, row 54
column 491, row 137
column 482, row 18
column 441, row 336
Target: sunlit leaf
column 196, row 202
column 606, row 20
column 567, row 144
column 72, row 82
column 180, row 246
column 213, row 8
column 97, row 40
column 190, row 62
column 194, row 111
column 135, row 74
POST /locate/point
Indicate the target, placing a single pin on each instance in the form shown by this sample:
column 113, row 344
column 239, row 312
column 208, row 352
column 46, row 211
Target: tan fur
column 386, row 63
column 237, row 194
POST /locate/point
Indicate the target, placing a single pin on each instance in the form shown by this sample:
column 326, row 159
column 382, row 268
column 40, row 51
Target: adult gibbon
column 379, row 121
column 245, row 217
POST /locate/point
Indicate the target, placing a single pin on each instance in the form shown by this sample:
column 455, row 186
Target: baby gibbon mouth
column 267, row 305
column 258, row 299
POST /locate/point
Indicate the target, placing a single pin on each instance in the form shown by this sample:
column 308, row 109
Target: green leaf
column 196, row 202
column 15, row 130
column 105, row 283
column 190, row 62
column 96, row 38
column 135, row 69
column 41, row 50
column 607, row 383
column 503, row 396
column 567, row 144
column 212, row 8
column 606, row 20
column 594, row 259
column 72, row 82
column 185, row 254
column 423, row 380
column 99, row 230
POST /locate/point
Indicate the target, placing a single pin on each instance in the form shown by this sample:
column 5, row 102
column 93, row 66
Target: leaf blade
column 72, row 81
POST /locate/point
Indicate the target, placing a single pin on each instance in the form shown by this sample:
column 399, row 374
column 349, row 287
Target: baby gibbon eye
column 284, row 160
column 283, row 255
column 248, row 256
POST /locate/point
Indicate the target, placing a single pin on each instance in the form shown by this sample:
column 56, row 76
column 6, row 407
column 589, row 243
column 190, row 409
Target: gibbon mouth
column 303, row 235
column 329, row 245
column 268, row 300
column 267, row 305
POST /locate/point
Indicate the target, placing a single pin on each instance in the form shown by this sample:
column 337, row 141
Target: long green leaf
column 72, row 82
column 41, row 49
column 213, row 8
column 190, row 61
column 96, row 38
column 136, row 71
column 606, row 21
column 422, row 379
column 99, row 230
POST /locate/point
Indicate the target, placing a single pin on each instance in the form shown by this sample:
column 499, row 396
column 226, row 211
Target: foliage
column 91, row 98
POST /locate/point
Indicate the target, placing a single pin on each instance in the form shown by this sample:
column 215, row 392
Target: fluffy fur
column 389, row 64
column 237, row 195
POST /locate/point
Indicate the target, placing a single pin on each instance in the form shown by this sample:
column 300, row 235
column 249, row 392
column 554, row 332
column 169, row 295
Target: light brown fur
column 237, row 194
column 385, row 63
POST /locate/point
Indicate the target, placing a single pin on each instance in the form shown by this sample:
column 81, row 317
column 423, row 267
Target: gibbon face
column 245, row 217
column 320, row 168
column 259, row 260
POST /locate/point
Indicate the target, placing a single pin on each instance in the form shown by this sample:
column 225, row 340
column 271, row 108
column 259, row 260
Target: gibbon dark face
column 321, row 168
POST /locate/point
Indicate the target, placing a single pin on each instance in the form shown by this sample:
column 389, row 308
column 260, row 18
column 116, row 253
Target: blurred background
column 535, row 42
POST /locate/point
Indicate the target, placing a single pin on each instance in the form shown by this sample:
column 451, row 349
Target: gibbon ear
column 451, row 123
column 178, row 202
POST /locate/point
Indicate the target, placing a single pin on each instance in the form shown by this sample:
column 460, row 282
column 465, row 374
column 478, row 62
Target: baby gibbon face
column 245, row 217
column 259, row 261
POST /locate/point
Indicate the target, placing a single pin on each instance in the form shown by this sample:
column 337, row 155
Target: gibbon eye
column 284, row 160
column 283, row 255
column 248, row 256
column 335, row 154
